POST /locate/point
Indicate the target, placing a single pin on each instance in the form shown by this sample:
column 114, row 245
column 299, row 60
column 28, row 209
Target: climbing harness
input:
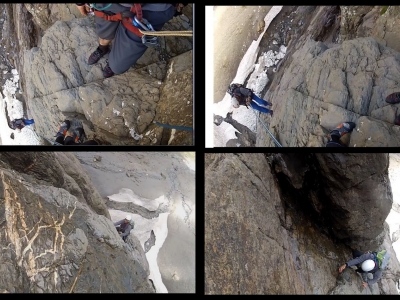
column 133, row 21
column 173, row 127
column 272, row 136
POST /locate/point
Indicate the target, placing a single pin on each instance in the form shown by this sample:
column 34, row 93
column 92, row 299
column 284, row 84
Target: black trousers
column 70, row 141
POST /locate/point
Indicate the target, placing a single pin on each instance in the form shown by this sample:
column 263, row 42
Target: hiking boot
column 107, row 72
column 63, row 128
column 397, row 120
column 96, row 55
column 78, row 134
column 345, row 127
column 393, row 98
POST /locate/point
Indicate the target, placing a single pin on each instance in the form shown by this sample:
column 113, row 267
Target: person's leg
column 120, row 59
column 105, row 31
column 259, row 108
column 69, row 140
column 260, row 101
column 60, row 139
column 29, row 122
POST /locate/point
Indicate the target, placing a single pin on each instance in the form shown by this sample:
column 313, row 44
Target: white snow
column 26, row 136
column 257, row 81
column 393, row 219
column 142, row 232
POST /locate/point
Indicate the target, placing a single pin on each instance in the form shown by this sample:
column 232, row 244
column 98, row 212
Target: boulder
column 57, row 236
column 324, row 87
column 284, row 223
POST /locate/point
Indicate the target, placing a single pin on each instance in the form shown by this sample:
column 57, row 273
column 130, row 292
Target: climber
column 124, row 227
column 128, row 45
column 334, row 137
column 244, row 96
column 20, row 123
column 73, row 138
column 366, row 263
column 393, row 99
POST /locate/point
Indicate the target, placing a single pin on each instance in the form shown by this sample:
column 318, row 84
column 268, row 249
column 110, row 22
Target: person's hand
column 365, row 284
column 248, row 100
column 83, row 10
column 342, row 268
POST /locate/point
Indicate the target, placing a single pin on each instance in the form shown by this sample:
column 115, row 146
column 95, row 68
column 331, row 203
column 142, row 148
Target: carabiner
column 146, row 26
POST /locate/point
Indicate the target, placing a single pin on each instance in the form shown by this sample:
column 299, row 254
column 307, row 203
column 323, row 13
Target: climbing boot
column 63, row 128
column 107, row 72
column 393, row 98
column 97, row 54
column 397, row 120
column 342, row 129
column 78, row 135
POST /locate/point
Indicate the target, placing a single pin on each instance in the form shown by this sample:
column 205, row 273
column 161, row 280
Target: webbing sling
column 125, row 18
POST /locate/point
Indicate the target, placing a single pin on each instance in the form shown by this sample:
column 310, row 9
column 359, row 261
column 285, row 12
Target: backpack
column 17, row 124
column 232, row 87
column 382, row 258
column 132, row 224
column 239, row 97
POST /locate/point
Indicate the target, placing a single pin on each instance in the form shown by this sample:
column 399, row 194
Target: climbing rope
column 168, row 33
column 272, row 136
column 174, row 127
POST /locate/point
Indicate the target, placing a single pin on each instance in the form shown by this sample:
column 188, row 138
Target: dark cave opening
column 309, row 204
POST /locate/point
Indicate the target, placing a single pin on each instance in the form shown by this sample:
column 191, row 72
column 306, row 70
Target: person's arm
column 359, row 259
column 377, row 275
column 118, row 223
column 127, row 231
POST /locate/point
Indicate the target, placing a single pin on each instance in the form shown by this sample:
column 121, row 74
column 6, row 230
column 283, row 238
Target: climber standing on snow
column 128, row 45
column 244, row 96
column 18, row 124
column 367, row 263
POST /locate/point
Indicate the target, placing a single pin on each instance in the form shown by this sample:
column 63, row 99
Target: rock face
column 57, row 235
column 324, row 87
column 57, row 83
column 284, row 223
column 341, row 63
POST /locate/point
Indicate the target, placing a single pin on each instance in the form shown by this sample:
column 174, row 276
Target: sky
column 217, row 136
column 27, row 136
